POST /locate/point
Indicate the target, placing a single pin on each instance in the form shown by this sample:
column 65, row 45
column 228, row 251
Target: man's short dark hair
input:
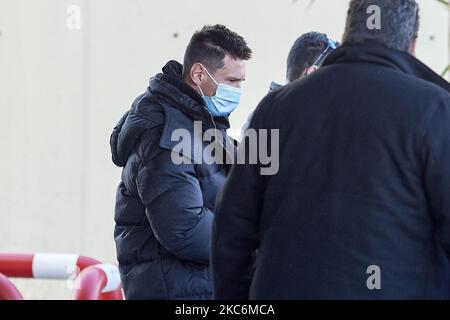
column 210, row 45
column 399, row 23
column 306, row 49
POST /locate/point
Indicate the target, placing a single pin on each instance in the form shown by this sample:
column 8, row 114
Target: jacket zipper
column 215, row 137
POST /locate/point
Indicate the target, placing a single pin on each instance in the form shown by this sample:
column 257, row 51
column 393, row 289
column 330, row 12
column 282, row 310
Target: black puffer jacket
column 164, row 211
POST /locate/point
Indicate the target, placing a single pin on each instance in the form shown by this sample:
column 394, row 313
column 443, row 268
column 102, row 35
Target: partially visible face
column 231, row 74
column 413, row 47
column 310, row 70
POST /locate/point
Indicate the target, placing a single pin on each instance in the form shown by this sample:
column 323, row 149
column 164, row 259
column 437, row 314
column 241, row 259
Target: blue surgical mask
column 224, row 102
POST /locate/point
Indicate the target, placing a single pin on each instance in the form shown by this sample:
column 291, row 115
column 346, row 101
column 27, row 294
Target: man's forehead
column 232, row 68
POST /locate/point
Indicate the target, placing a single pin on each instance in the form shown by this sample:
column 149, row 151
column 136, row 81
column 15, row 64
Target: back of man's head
column 210, row 45
column 304, row 53
column 398, row 23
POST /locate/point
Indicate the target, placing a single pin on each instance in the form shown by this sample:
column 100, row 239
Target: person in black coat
column 166, row 197
column 360, row 206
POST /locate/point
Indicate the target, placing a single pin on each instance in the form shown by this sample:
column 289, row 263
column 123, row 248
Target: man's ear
column 311, row 69
column 196, row 73
column 413, row 47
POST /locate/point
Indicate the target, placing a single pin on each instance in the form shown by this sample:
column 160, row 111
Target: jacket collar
column 374, row 52
column 171, row 135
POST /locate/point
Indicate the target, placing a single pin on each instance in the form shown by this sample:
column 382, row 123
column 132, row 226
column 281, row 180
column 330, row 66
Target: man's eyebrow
column 235, row 79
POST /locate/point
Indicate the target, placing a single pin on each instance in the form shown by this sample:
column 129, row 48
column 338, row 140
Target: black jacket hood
column 166, row 88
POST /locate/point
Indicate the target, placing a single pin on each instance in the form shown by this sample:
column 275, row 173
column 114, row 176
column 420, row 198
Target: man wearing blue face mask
column 225, row 100
column 164, row 209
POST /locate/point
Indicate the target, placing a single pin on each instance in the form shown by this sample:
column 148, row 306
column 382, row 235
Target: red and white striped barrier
column 8, row 290
column 99, row 282
column 43, row 265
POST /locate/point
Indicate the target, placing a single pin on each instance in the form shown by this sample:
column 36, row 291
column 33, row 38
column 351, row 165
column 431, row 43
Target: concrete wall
column 63, row 90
